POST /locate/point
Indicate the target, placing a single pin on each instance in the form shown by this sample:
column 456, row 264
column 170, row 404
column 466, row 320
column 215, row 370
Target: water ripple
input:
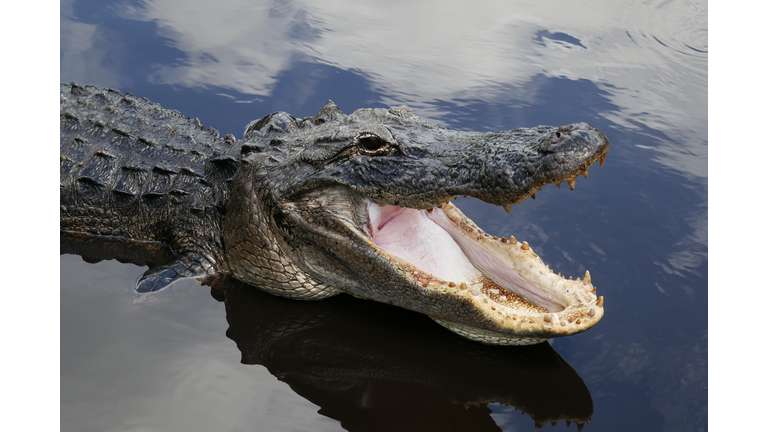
column 690, row 374
column 671, row 27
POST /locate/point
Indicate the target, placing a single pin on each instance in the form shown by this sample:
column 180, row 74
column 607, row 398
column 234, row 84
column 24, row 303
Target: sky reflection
column 649, row 59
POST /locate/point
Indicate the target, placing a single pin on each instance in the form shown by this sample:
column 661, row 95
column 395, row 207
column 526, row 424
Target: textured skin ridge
column 131, row 169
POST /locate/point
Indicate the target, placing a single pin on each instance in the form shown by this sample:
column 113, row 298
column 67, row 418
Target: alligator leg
column 194, row 257
column 165, row 266
column 161, row 276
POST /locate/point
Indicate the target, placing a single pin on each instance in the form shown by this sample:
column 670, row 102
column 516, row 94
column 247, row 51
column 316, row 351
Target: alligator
column 313, row 207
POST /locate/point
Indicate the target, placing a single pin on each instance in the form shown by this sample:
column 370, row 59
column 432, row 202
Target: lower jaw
column 485, row 276
column 487, row 336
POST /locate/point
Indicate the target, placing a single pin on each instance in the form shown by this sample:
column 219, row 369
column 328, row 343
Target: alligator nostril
column 557, row 134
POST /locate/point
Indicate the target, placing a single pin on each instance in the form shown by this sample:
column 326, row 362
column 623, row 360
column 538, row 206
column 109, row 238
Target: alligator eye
column 371, row 143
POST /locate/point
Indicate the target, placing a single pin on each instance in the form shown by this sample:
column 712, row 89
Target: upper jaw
column 500, row 168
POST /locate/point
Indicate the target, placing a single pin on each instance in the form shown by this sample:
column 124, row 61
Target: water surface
column 194, row 358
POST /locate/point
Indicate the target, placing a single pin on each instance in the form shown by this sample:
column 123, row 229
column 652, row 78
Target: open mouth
column 412, row 248
column 441, row 249
column 451, row 250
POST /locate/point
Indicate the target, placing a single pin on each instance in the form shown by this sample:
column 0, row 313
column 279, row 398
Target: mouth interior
column 413, row 236
column 435, row 244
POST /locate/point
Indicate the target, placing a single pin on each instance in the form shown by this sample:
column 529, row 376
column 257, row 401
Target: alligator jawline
column 446, row 251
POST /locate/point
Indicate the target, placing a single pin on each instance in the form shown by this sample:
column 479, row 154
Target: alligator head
column 360, row 204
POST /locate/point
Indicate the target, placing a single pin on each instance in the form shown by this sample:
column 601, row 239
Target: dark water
column 228, row 357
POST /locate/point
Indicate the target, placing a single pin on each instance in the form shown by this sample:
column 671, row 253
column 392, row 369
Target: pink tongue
column 410, row 235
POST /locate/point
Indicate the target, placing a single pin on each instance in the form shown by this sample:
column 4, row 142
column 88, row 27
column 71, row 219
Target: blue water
column 638, row 72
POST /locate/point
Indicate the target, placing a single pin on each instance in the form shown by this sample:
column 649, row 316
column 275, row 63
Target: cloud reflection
column 81, row 53
column 649, row 58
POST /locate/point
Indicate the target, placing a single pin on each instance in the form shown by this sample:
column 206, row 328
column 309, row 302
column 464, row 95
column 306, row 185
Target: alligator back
column 134, row 170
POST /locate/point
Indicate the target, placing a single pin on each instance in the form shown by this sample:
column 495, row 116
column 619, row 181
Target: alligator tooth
column 429, row 210
column 525, row 246
column 512, row 240
column 599, row 301
column 508, row 208
column 533, row 195
column 602, row 159
column 451, row 284
column 558, row 185
column 503, row 240
column 572, row 183
column 463, row 286
column 594, row 289
column 587, row 278
column 584, row 174
column 495, row 238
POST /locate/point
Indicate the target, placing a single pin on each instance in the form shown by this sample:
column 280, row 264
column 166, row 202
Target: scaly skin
column 288, row 207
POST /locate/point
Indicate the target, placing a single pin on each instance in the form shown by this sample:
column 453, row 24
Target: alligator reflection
column 375, row 367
